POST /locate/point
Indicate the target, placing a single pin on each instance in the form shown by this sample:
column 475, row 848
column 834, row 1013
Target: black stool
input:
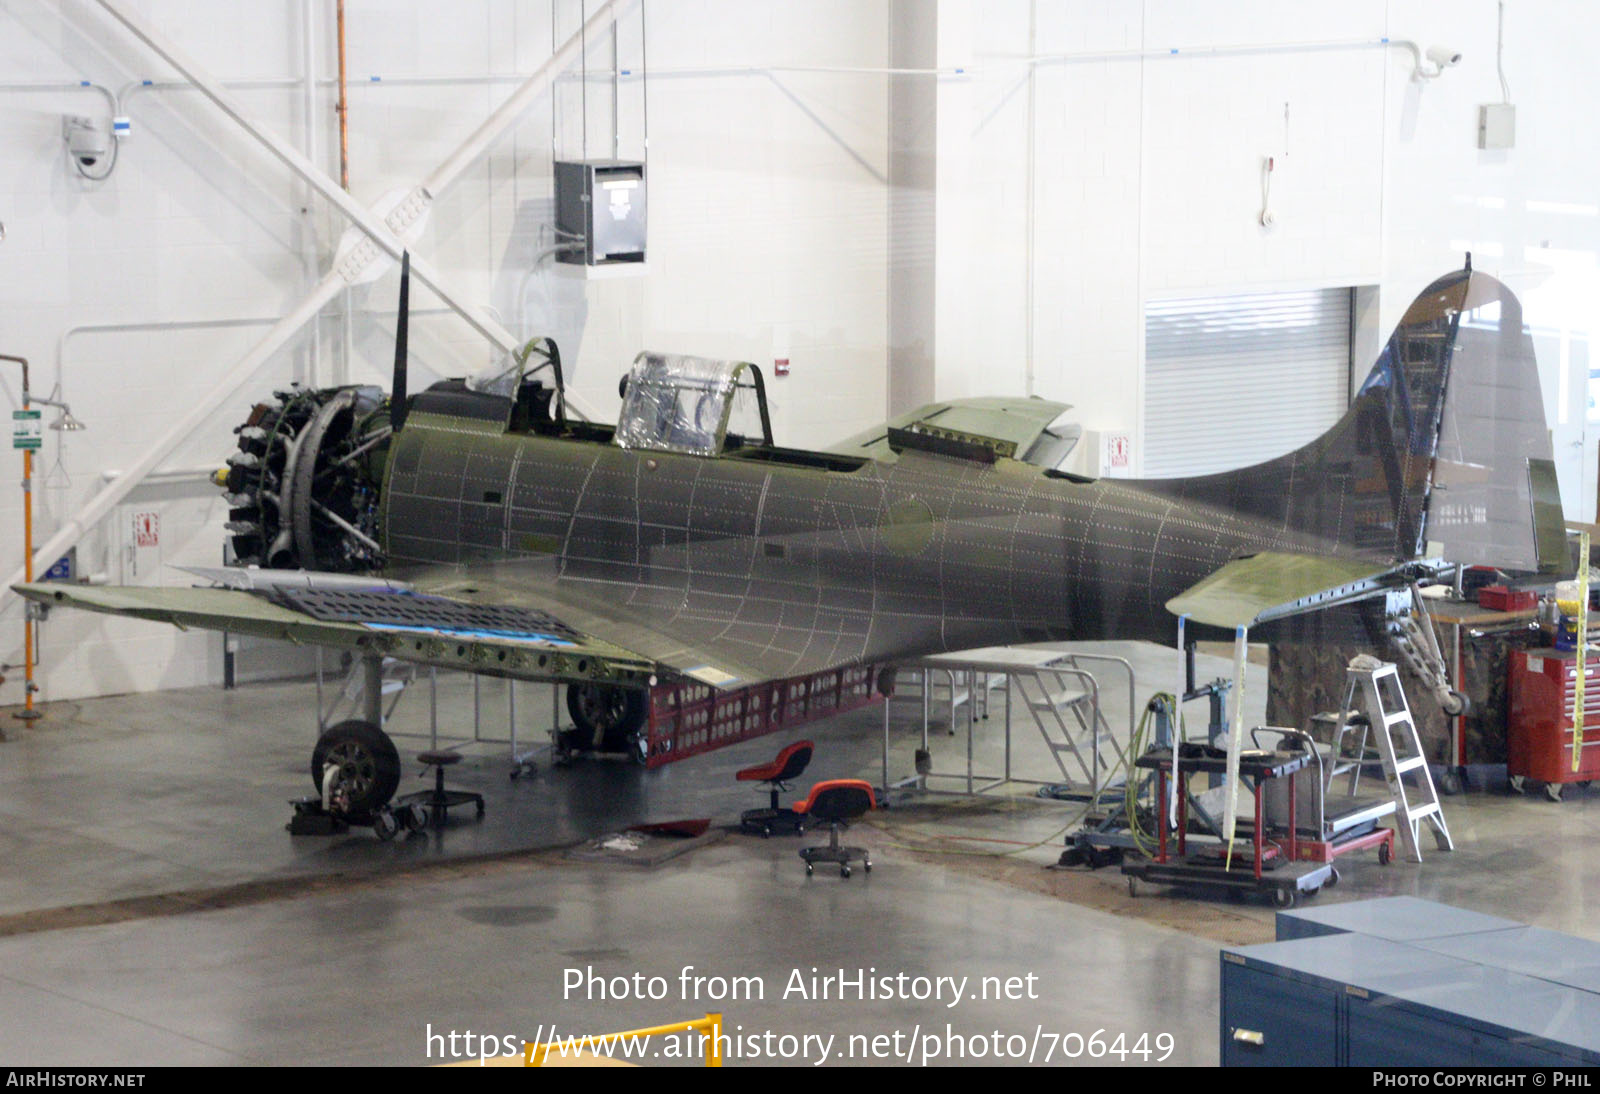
column 438, row 801
column 836, row 803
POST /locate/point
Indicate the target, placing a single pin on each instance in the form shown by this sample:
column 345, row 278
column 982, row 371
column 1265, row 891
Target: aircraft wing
column 523, row 641
column 1271, row 585
column 722, row 639
column 495, row 619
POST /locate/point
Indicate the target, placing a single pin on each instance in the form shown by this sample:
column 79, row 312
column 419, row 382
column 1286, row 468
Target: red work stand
column 1276, row 870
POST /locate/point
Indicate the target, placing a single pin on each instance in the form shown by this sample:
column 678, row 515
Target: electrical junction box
column 1497, row 126
column 601, row 204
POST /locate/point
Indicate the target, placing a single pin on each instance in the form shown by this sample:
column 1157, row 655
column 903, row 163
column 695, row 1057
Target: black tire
column 1385, row 856
column 1284, row 898
column 607, row 718
column 369, row 764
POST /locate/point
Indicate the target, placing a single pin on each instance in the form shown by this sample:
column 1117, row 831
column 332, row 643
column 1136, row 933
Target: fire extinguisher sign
column 1119, row 451
column 147, row 529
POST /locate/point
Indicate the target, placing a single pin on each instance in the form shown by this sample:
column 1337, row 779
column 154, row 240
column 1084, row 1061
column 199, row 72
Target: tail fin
column 1432, row 458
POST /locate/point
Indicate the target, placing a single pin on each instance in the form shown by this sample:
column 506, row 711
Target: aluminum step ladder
column 1374, row 688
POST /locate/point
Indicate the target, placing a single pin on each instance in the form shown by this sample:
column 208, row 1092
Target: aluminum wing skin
column 501, row 619
column 524, row 641
column 726, row 631
column 1248, row 592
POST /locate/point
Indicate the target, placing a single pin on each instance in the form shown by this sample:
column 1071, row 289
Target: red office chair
column 837, row 802
column 785, row 766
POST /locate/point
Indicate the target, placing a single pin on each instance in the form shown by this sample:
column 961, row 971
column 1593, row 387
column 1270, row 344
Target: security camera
column 1444, row 56
column 88, row 140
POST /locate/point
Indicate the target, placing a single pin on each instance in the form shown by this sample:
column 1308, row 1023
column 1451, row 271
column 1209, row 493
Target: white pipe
column 75, row 85
column 1221, row 50
column 151, row 325
column 103, row 502
column 165, row 475
column 1174, row 52
column 274, row 83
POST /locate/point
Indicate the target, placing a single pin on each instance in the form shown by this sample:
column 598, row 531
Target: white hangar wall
column 1066, row 200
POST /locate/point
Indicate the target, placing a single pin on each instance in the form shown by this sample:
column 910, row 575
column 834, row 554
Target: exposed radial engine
column 304, row 482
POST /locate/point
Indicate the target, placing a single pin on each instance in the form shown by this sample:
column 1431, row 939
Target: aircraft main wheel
column 368, row 762
column 607, row 717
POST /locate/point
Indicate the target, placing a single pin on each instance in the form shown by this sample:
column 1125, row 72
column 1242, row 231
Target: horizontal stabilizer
column 1274, row 584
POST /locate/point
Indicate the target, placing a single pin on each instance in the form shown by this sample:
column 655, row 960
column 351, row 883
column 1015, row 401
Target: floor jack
column 1103, row 840
column 328, row 814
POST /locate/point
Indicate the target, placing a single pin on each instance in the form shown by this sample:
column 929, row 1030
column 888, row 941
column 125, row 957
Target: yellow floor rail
column 708, row 1027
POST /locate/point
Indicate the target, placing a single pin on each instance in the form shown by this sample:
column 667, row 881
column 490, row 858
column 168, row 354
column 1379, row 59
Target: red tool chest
column 1539, row 724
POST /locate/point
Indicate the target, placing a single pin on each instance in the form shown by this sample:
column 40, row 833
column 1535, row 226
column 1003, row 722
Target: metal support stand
column 372, row 689
column 433, row 708
column 521, row 761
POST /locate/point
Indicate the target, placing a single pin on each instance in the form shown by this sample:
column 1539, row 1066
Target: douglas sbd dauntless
column 475, row 525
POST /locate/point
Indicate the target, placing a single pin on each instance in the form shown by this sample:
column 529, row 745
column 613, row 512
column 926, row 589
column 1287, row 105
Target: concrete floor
column 153, row 910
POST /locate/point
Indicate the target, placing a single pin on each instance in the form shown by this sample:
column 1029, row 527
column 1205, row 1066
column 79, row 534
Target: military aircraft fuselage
column 924, row 552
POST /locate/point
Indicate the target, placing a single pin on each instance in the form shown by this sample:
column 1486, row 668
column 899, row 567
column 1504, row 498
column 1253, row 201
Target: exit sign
column 27, row 431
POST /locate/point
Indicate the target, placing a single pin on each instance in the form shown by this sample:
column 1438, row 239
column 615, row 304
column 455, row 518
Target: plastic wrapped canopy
column 676, row 403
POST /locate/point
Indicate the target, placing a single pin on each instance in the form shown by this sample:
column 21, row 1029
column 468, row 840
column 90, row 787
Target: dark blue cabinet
column 1439, row 987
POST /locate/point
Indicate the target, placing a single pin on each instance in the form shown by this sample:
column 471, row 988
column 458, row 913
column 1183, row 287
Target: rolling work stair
column 1375, row 707
column 1055, row 690
column 1054, row 693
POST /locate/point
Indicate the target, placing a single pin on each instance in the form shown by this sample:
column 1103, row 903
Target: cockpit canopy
column 677, row 403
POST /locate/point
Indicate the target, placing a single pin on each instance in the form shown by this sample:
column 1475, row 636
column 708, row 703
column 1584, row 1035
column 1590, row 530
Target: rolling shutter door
column 1231, row 381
